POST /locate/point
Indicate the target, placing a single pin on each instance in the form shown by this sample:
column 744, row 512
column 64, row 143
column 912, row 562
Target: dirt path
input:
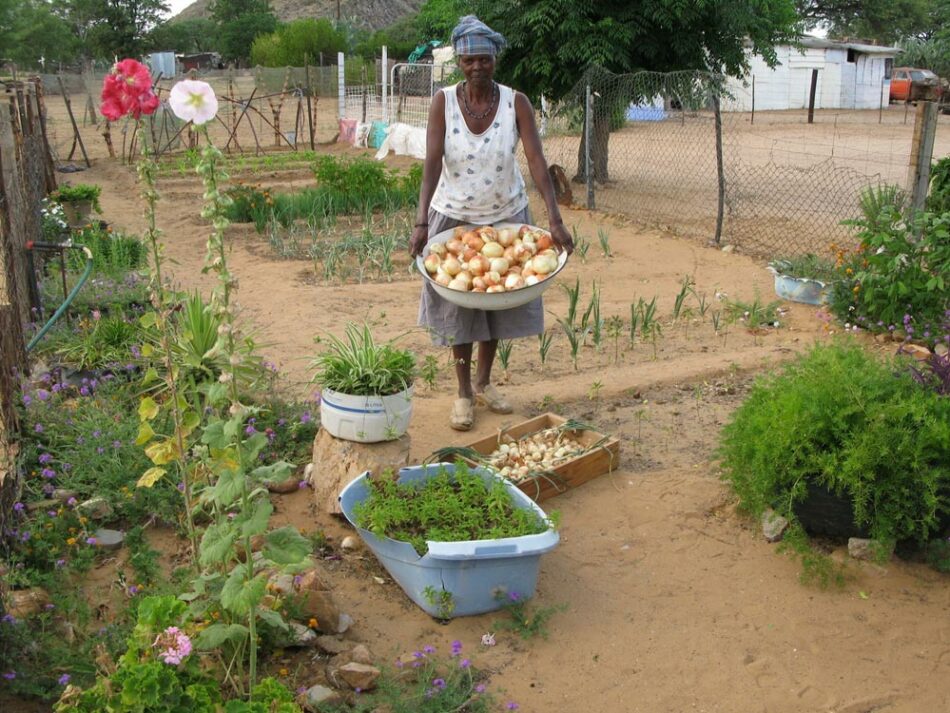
column 674, row 603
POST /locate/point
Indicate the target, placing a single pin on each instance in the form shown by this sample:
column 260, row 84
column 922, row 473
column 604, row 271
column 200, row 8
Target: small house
column 851, row 75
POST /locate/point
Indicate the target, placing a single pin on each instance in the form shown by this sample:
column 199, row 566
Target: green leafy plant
column 756, row 314
column 113, row 253
column 581, row 244
column 446, row 507
column 359, row 366
column 808, row 266
column 505, row 347
column 430, row 371
column 545, row 339
column 603, row 238
column 939, row 199
column 441, row 599
column 104, row 342
column 841, row 419
column 78, row 193
column 523, row 619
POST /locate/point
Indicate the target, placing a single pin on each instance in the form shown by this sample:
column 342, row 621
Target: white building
column 850, row 76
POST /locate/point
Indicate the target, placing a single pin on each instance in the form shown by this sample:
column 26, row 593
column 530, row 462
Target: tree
column 552, row 43
column 184, row 36
column 223, row 11
column 297, row 43
column 121, row 26
column 239, row 23
column 883, row 21
column 32, row 35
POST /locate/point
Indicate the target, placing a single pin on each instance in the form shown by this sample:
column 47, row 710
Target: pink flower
column 174, row 645
column 127, row 91
column 193, row 101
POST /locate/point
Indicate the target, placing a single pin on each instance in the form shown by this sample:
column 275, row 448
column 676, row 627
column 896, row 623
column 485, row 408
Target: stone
column 38, row 505
column 283, row 487
column 319, row 605
column 281, row 584
column 914, row 350
column 349, row 543
column 360, row 654
column 941, row 349
column 773, row 526
column 359, row 675
column 864, row 549
column 299, row 636
column 316, row 697
column 346, row 621
column 108, row 539
column 728, row 248
column 23, row 603
column 63, row 495
column 332, row 645
column 337, row 462
column 313, row 579
column 95, row 508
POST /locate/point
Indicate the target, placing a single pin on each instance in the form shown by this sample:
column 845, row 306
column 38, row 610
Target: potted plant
column 78, row 202
column 804, row 278
column 844, row 444
column 458, row 540
column 366, row 388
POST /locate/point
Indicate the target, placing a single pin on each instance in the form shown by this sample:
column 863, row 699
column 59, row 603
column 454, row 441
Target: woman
column 471, row 176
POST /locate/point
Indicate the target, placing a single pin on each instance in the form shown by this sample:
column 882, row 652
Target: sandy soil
column 673, row 601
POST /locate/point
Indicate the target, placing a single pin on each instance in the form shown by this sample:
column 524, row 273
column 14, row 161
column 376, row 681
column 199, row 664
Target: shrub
column 939, row 199
column 860, row 427
column 899, row 275
column 113, row 254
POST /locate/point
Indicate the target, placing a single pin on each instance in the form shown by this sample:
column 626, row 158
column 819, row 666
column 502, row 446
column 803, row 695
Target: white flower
column 488, row 639
column 193, row 101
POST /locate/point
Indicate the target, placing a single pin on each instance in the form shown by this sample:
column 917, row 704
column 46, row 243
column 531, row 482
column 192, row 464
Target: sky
column 178, row 5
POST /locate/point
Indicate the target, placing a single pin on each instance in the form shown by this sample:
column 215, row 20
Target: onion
column 521, row 253
column 443, row 278
column 487, row 233
column 531, row 280
column 478, row 285
column 500, row 265
column 431, row 263
column 468, row 235
column 465, row 275
column 479, row 265
column 491, row 250
column 507, row 236
column 495, row 288
column 460, row 285
column 468, row 254
column 514, row 282
column 437, row 249
column 475, row 243
column 545, row 242
column 452, row 266
column 544, row 264
column 522, row 230
column 459, row 231
column 455, row 246
column 492, row 278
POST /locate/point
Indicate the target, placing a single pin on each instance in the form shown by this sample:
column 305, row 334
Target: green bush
column 297, row 43
column 78, row 193
column 898, row 278
column 939, row 199
column 113, row 253
column 842, row 419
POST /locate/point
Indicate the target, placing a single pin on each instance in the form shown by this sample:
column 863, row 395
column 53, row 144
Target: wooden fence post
column 921, row 153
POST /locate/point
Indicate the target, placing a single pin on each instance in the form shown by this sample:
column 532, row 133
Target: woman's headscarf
column 472, row 36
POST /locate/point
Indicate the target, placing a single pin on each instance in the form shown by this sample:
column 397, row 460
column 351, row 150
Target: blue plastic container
column 801, row 289
column 478, row 574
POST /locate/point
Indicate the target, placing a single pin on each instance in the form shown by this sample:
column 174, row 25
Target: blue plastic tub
column 801, row 289
column 476, row 576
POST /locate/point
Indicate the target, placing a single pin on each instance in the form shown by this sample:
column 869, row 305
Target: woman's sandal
column 463, row 415
column 493, row 399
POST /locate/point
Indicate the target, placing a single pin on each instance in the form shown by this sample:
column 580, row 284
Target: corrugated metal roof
column 822, row 43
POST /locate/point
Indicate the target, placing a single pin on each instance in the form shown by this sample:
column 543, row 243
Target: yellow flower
column 283, row 672
column 71, row 541
column 312, row 623
column 83, row 520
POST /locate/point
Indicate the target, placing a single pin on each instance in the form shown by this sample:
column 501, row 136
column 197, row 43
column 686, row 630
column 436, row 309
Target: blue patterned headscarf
column 472, row 36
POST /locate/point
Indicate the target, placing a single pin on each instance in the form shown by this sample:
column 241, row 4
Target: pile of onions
column 544, row 450
column 486, row 259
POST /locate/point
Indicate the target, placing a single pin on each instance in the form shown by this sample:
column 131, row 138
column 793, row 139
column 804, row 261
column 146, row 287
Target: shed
column 851, row 75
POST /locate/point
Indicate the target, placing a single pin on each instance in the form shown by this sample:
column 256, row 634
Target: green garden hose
column 72, row 293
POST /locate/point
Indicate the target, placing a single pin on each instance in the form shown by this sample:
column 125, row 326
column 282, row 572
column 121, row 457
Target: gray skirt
column 449, row 324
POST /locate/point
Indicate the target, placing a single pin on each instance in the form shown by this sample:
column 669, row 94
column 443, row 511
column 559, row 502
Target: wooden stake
column 72, row 120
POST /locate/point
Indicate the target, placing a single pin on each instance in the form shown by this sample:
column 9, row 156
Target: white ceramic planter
column 365, row 419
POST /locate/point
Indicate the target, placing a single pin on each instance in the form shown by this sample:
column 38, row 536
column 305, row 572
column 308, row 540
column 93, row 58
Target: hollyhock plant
column 174, row 646
column 193, row 101
column 127, row 91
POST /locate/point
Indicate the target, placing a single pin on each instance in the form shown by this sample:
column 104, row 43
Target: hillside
column 374, row 14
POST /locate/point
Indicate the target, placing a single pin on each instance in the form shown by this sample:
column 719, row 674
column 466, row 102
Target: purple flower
column 67, row 466
column 42, row 394
column 512, row 706
column 464, row 663
column 71, row 502
column 181, row 487
column 27, row 400
column 133, row 590
column 480, row 688
column 429, row 649
column 97, row 433
column 57, row 388
column 100, row 450
column 48, row 489
column 90, row 540
column 302, row 484
column 8, row 619
column 418, row 655
column 399, row 663
column 19, row 507
column 116, row 444
column 84, row 391
column 357, row 690
column 80, row 440
column 51, row 513
column 305, row 417
column 60, row 564
column 514, row 596
column 45, row 458
column 456, row 647
column 438, row 683
column 250, row 430
column 38, row 428
column 48, row 473
column 9, row 675
column 63, row 680
column 49, row 607
column 25, row 536
column 136, row 352
column 281, row 422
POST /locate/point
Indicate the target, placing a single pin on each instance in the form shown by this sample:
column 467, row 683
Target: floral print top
column 481, row 181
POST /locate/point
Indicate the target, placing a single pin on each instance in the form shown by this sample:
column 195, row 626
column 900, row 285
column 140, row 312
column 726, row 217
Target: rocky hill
column 374, row 14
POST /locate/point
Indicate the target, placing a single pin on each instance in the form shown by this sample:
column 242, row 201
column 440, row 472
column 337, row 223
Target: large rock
column 773, row 526
column 864, row 549
column 23, row 603
column 331, row 645
column 298, row 636
column 96, row 508
column 337, row 462
column 316, row 697
column 359, row 675
column 314, row 600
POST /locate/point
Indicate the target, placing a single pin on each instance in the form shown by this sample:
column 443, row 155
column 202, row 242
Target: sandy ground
column 673, row 601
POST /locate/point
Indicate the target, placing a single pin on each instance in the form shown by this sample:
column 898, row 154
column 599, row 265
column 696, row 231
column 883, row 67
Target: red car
column 912, row 84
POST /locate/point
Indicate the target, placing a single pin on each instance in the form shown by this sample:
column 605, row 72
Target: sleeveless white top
column 481, row 181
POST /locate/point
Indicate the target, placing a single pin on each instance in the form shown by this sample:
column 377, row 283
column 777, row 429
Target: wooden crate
column 570, row 473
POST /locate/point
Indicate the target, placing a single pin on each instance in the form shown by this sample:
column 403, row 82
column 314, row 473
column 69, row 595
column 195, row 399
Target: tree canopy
column 297, row 43
column 882, row 21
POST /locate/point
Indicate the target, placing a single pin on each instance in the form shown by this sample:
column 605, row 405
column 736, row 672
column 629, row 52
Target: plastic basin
column 483, row 300
column 365, row 419
column 478, row 574
column 801, row 289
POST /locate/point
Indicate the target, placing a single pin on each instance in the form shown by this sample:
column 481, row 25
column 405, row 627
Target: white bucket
column 365, row 419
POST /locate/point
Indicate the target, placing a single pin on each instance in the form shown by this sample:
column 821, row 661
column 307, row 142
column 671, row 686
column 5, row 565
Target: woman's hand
column 561, row 237
column 420, row 236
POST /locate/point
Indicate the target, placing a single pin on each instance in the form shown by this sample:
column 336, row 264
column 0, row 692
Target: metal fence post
column 921, row 153
column 385, row 78
column 588, row 168
column 341, row 81
column 720, row 172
